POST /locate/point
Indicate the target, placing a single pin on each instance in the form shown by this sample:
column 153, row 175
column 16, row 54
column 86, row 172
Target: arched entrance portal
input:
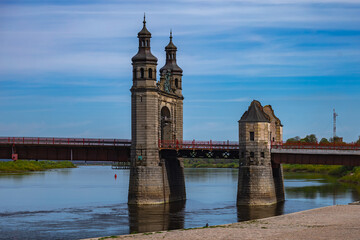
column 165, row 124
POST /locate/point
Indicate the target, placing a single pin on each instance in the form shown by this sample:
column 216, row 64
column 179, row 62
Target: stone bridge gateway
column 157, row 146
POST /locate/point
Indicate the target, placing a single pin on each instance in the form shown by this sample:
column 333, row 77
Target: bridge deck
column 86, row 149
column 119, row 150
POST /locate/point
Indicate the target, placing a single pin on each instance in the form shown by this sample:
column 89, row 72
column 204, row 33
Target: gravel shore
column 334, row 222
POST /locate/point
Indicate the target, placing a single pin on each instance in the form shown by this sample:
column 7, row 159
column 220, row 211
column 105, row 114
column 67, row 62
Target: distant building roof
column 255, row 113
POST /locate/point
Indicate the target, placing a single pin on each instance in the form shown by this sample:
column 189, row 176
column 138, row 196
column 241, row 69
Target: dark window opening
column 262, row 154
column 252, row 136
column 150, row 73
column 252, row 155
column 166, row 124
column 141, row 73
column 242, row 154
column 176, row 82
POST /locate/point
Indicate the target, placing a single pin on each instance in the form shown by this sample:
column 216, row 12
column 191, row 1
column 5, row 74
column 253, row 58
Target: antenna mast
column 334, row 128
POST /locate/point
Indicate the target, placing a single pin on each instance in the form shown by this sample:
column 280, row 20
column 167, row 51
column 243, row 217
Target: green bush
column 210, row 163
column 326, row 169
column 346, row 173
column 352, row 177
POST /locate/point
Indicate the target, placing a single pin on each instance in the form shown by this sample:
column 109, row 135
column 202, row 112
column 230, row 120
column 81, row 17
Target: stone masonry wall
column 144, row 109
column 256, row 183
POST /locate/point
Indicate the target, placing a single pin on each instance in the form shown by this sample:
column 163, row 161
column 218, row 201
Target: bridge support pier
column 162, row 183
column 260, row 183
column 278, row 177
column 256, row 186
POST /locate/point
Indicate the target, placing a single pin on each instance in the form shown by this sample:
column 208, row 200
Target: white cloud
column 38, row 99
column 56, row 38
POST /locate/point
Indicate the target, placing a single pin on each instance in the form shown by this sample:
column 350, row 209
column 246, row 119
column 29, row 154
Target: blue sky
column 65, row 66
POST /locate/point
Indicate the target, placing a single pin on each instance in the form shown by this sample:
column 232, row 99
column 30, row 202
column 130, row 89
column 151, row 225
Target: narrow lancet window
column 150, row 73
column 252, row 136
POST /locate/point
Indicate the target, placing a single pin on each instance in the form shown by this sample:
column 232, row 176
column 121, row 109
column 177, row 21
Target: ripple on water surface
column 89, row 202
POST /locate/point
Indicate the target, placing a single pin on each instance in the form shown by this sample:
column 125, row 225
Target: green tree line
column 311, row 138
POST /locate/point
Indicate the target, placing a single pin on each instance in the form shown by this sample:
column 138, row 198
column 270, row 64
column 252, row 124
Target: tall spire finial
column 144, row 20
column 170, row 35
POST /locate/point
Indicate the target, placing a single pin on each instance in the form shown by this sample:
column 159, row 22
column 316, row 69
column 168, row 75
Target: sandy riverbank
column 334, row 222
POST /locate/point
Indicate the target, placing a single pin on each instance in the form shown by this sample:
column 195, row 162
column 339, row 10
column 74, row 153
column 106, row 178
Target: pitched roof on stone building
column 255, row 113
column 270, row 112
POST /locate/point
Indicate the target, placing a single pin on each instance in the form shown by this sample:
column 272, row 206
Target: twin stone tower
column 157, row 114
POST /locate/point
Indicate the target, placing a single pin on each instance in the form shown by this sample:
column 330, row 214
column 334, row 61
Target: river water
column 89, row 202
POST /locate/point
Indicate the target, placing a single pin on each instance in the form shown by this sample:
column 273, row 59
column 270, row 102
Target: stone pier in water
column 260, row 181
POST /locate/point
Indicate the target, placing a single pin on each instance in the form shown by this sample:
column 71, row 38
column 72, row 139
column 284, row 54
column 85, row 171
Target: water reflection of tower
column 245, row 213
column 159, row 217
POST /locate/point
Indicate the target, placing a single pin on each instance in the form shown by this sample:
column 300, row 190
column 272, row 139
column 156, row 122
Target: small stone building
column 260, row 183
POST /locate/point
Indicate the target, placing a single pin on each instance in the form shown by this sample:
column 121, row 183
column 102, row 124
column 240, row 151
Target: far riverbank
column 344, row 174
column 24, row 166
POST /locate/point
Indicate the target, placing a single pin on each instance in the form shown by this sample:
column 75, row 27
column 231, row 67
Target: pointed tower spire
column 172, row 67
column 144, row 53
column 170, row 50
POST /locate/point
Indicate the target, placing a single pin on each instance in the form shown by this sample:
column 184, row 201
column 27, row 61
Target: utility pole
column 334, row 128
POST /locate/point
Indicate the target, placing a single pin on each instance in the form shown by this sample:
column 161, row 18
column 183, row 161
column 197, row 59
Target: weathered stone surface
column 259, row 183
column 156, row 114
column 276, row 128
column 256, row 186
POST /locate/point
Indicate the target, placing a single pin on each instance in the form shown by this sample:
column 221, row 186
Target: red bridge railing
column 173, row 144
column 320, row 146
column 65, row 141
column 232, row 145
column 198, row 145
